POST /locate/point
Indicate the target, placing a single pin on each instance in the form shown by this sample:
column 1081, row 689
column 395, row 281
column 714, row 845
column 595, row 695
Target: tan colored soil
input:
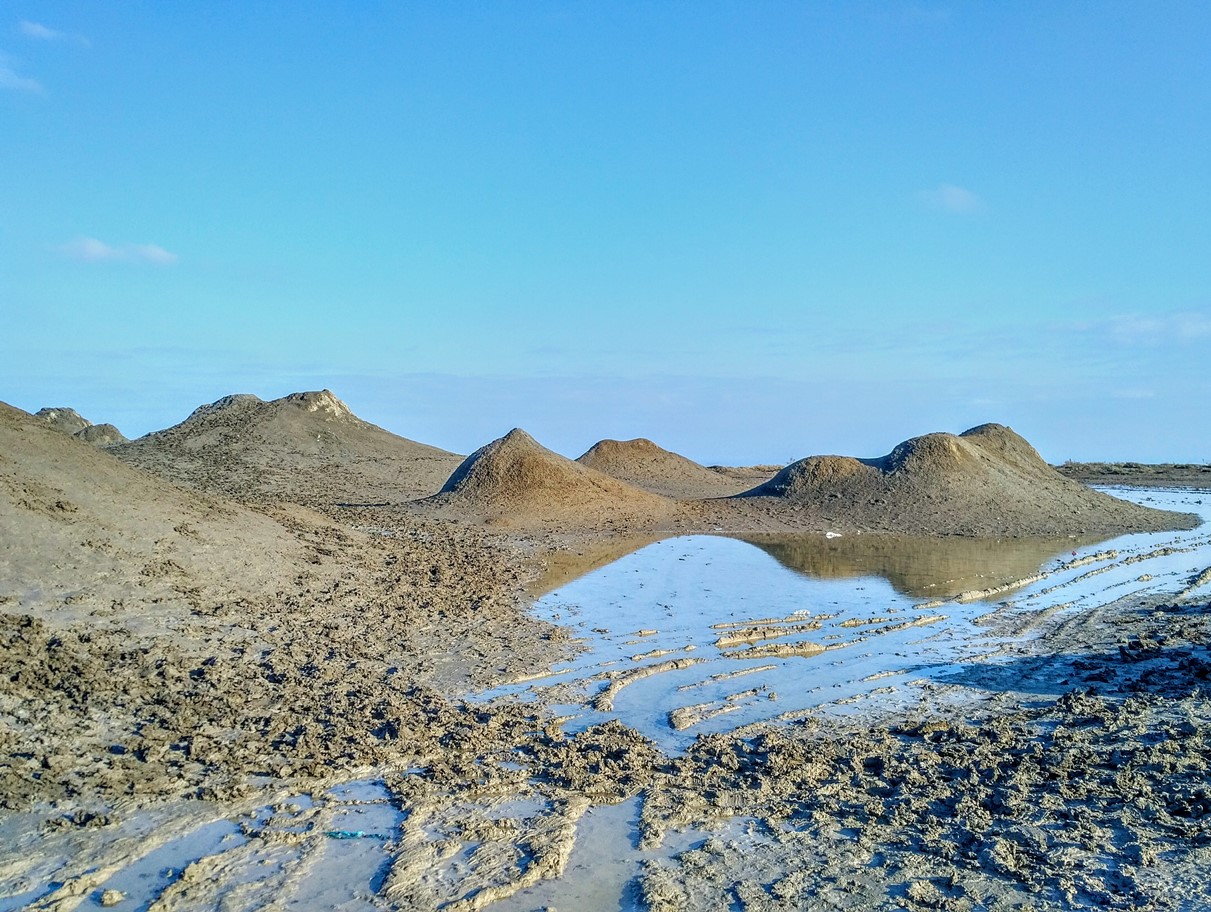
column 1169, row 474
column 985, row 482
column 219, row 640
column 645, row 465
column 161, row 641
column 306, row 448
column 517, row 482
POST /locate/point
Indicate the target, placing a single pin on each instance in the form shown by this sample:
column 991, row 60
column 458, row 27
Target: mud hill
column 307, row 448
column 64, row 420
column 69, row 421
column 158, row 639
column 516, row 481
column 985, row 481
column 642, row 463
column 118, row 533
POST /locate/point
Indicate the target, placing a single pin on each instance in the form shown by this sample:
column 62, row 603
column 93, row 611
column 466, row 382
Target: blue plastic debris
column 354, row 834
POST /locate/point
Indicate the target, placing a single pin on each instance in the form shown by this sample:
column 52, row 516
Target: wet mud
column 400, row 732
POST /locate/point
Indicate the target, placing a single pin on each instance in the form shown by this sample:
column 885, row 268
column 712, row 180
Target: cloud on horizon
column 91, row 250
column 40, row 32
column 1151, row 329
column 952, row 198
column 14, row 81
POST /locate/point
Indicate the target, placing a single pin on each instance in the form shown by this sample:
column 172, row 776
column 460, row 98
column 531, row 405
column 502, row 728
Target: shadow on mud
column 1140, row 666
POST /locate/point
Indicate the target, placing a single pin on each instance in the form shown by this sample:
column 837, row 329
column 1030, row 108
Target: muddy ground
column 154, row 699
column 1159, row 475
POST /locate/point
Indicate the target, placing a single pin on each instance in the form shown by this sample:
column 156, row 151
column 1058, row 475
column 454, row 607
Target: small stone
column 112, row 897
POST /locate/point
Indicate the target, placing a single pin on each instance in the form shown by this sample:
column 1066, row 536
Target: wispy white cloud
column 1151, row 329
column 152, row 253
column 91, row 250
column 952, row 198
column 12, row 80
column 40, row 32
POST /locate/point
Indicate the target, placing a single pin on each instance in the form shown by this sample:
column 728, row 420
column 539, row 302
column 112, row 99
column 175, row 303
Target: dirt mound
column 985, row 481
column 64, row 420
column 142, row 624
column 515, row 480
column 307, row 448
column 101, row 435
column 69, row 421
column 642, row 463
column 116, row 532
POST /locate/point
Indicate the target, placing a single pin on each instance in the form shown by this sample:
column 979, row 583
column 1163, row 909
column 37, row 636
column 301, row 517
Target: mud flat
column 1136, row 474
column 240, row 692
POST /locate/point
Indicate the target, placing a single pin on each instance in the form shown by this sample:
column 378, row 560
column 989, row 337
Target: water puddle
column 704, row 633
column 606, row 864
column 331, row 850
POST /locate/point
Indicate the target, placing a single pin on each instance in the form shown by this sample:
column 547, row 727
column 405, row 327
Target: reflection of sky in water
column 862, row 591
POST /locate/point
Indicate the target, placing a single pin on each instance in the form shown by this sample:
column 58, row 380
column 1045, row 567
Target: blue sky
column 750, row 231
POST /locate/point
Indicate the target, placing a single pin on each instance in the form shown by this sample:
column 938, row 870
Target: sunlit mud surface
column 705, row 634
column 1085, row 800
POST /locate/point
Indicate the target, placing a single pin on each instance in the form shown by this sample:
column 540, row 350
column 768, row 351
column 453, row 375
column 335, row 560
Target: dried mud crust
column 354, row 665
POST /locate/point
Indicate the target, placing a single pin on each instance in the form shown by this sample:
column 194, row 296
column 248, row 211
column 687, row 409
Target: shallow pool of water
column 708, row 633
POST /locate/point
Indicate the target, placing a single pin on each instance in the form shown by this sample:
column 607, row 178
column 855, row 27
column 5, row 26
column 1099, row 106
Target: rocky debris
column 516, row 481
column 69, row 421
column 307, row 448
column 101, row 435
column 64, row 420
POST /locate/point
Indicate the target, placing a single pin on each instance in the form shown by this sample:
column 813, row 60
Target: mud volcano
column 69, row 421
column 642, row 463
column 516, row 481
column 308, row 448
column 985, row 481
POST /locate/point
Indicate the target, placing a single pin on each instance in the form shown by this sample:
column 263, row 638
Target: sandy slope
column 306, row 448
column 515, row 481
column 645, row 465
column 158, row 640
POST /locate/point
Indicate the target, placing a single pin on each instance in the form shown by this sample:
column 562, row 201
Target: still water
column 704, row 633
